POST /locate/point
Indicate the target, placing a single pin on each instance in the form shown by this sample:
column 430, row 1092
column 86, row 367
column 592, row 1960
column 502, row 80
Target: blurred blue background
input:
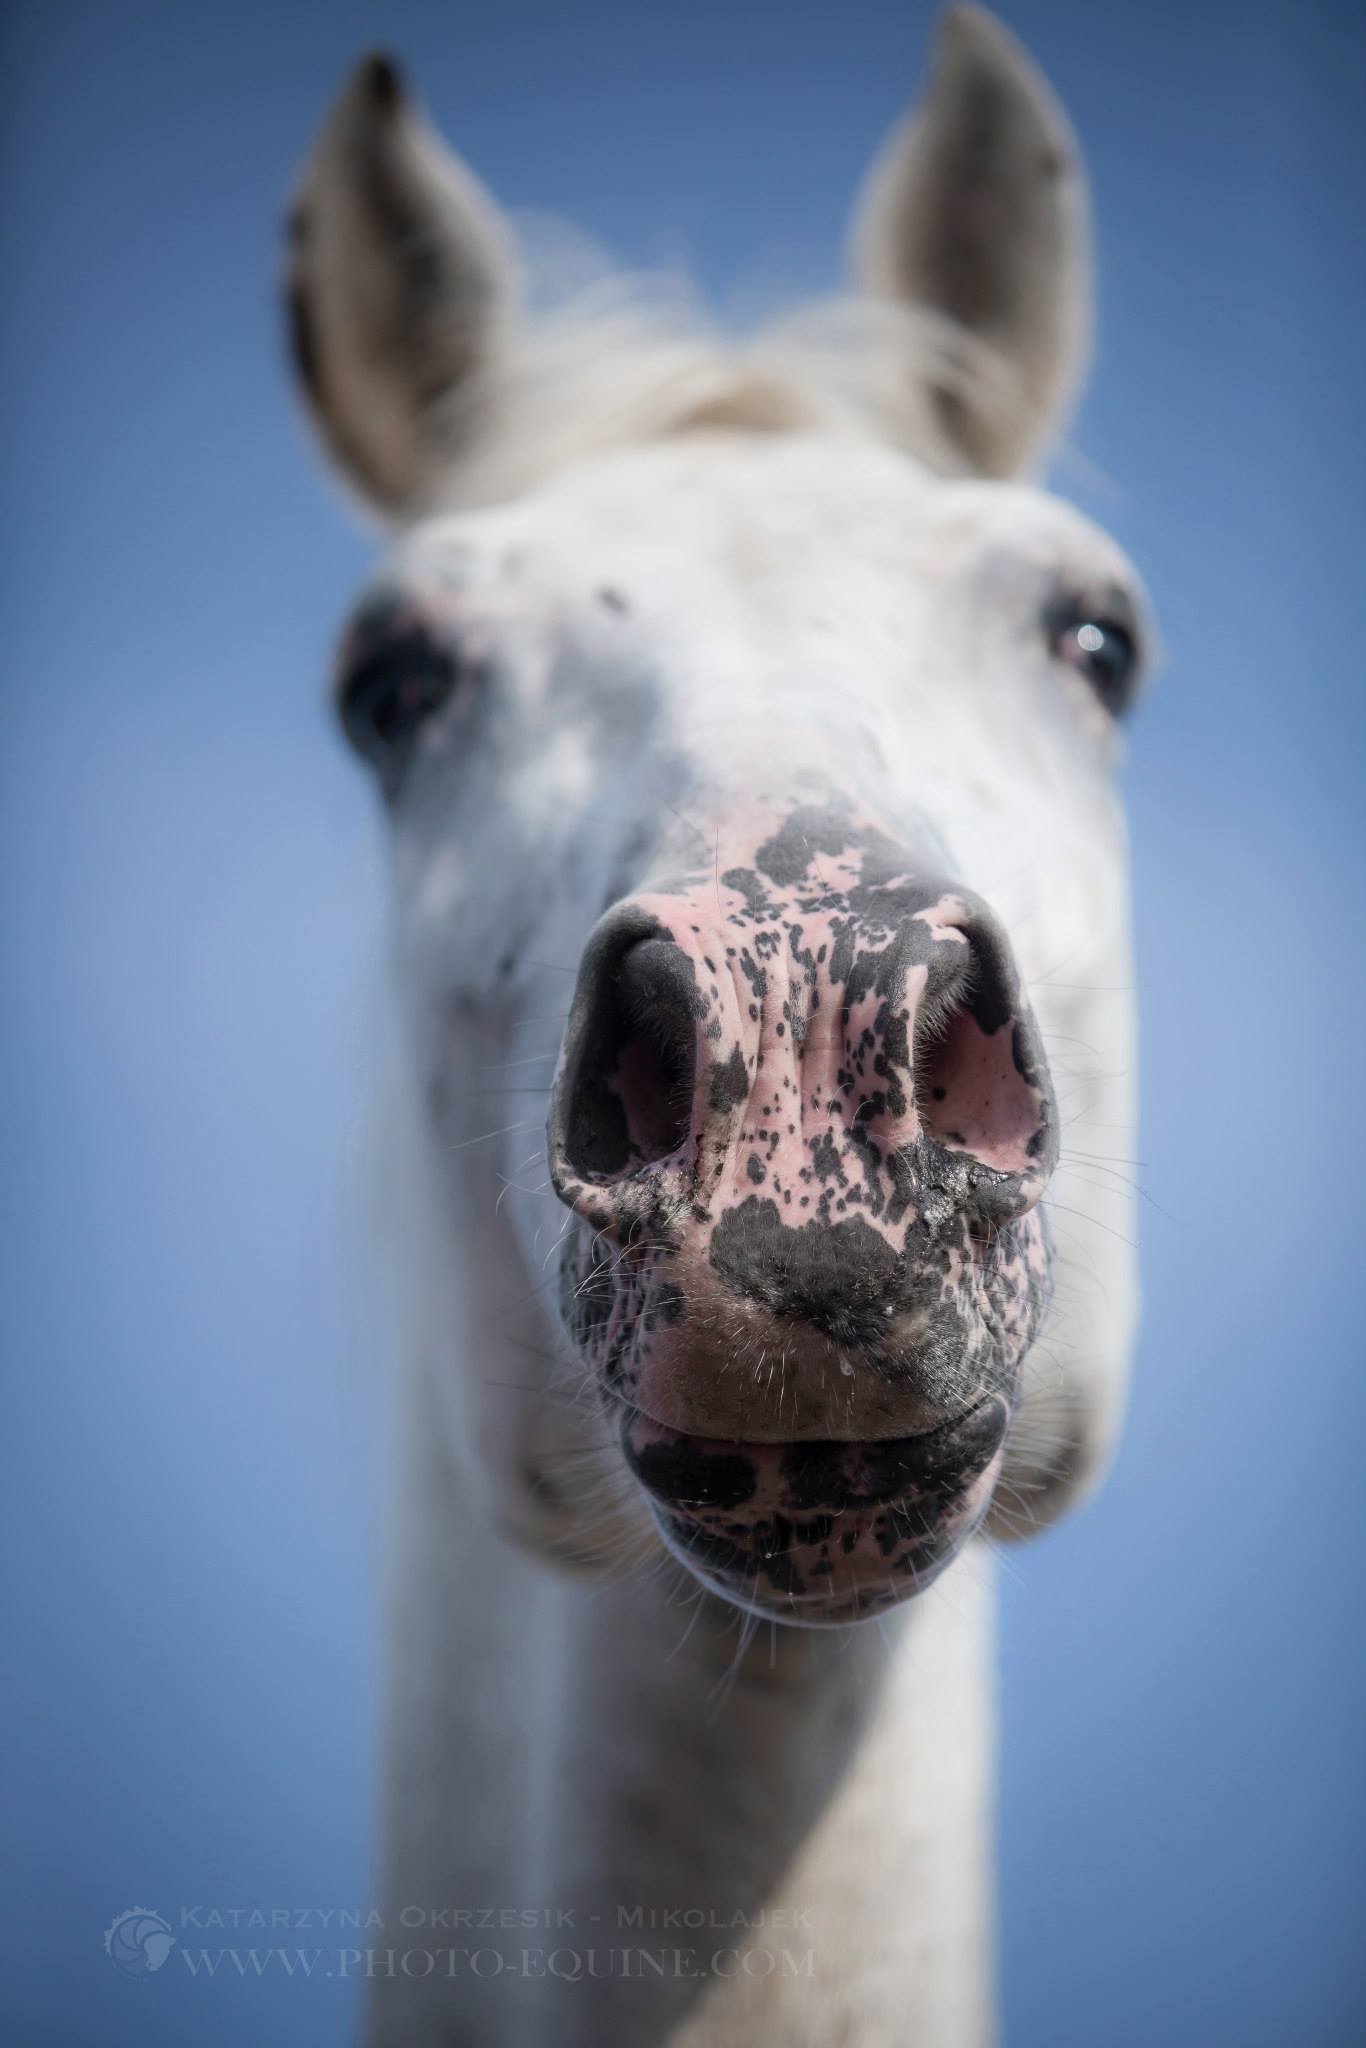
column 192, row 886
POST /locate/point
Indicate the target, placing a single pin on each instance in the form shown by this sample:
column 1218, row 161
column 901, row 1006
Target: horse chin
column 838, row 1607
column 818, row 1534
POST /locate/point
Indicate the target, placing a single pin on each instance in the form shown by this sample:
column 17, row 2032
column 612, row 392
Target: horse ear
column 977, row 210
column 400, row 289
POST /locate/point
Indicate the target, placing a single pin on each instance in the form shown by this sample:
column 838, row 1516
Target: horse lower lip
column 816, row 1532
column 822, row 1571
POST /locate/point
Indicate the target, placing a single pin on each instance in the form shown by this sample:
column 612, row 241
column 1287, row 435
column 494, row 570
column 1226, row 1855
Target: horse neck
column 803, row 1811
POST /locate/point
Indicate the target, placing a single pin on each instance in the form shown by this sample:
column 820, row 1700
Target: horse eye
column 1101, row 649
column 390, row 688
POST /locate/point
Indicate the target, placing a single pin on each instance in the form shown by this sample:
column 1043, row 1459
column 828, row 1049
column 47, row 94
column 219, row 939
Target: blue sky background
column 190, row 875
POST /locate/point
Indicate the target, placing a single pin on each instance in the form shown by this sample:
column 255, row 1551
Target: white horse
column 706, row 684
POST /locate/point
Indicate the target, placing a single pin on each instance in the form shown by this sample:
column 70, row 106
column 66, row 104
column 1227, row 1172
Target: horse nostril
column 981, row 1083
column 628, row 1084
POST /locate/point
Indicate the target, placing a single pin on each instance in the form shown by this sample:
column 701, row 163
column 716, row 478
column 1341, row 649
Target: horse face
column 783, row 758
column 802, row 820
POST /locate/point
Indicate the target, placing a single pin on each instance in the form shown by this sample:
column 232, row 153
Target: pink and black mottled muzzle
column 803, row 1121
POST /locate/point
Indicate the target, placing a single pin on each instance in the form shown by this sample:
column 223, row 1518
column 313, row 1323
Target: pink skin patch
column 803, row 1119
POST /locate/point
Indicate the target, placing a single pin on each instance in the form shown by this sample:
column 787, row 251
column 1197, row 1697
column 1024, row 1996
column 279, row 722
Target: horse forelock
column 625, row 360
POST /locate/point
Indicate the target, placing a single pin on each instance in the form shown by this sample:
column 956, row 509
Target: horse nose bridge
column 872, row 1002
